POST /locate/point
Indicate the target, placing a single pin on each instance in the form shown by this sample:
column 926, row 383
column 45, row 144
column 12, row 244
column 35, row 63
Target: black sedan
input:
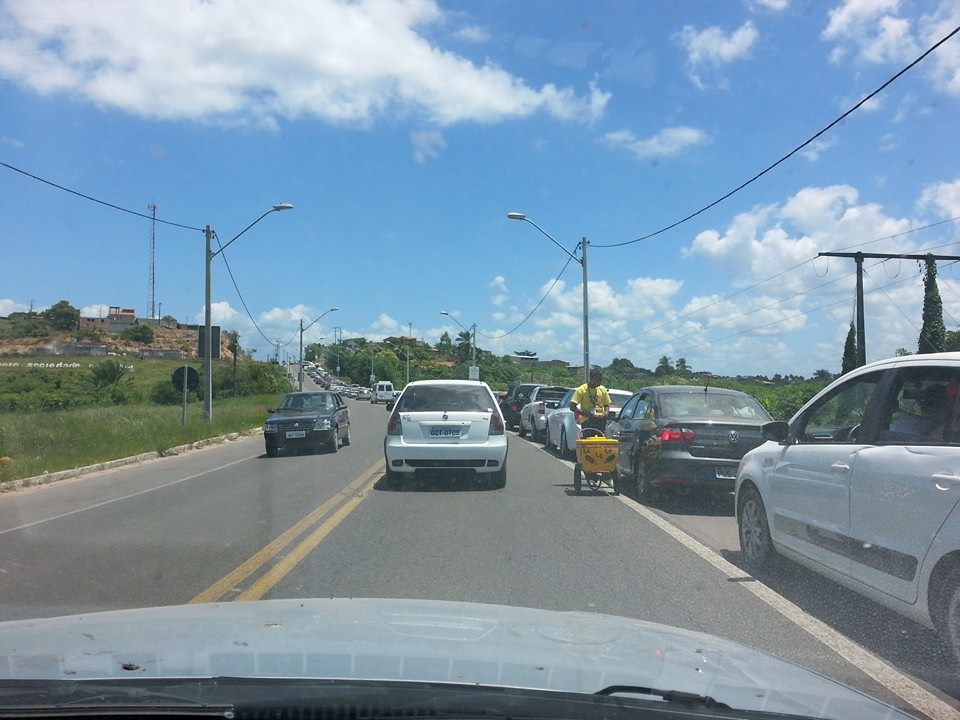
column 307, row 421
column 686, row 436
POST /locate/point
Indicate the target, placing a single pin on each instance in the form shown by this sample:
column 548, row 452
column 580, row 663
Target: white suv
column 862, row 485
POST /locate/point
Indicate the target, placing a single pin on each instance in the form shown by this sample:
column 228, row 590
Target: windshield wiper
column 670, row 696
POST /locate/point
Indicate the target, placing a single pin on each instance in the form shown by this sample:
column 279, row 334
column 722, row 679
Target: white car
column 446, row 425
column 533, row 415
column 562, row 426
column 862, row 486
column 382, row 392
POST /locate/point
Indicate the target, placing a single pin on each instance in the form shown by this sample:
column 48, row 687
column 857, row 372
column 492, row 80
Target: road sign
column 473, row 373
column 193, row 378
column 214, row 344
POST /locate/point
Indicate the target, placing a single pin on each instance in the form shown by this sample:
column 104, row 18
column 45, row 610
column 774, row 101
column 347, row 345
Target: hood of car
column 417, row 640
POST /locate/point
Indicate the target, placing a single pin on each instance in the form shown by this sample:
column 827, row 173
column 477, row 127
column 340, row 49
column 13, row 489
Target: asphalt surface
column 227, row 523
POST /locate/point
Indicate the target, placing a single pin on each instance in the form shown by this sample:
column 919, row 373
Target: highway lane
column 227, row 523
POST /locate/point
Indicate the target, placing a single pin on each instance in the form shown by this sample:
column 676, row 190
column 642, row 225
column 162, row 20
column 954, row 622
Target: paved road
column 227, row 523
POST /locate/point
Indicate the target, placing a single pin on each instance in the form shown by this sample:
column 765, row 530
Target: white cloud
column 499, row 283
column 96, row 310
column 777, row 5
column 943, row 198
column 427, row 145
column 813, row 150
column 385, row 323
column 878, row 33
column 246, row 62
column 8, row 306
column 13, row 142
column 473, row 33
column 667, row 142
column 711, row 48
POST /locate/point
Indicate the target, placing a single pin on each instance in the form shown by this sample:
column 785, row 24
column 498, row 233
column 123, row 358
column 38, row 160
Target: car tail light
column 496, row 424
column 541, row 408
column 393, row 426
column 513, row 407
column 677, row 435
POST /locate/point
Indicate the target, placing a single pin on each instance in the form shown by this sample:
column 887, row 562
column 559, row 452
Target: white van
column 382, row 392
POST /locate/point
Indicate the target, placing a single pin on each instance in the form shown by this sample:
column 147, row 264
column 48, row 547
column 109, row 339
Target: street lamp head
column 333, row 309
column 282, row 206
column 516, row 216
column 444, row 312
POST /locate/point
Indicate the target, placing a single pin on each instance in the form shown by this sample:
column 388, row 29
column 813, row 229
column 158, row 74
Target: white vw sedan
column 446, row 425
column 863, row 486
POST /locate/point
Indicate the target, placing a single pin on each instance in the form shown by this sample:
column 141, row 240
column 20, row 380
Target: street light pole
column 302, row 328
column 209, row 255
column 582, row 245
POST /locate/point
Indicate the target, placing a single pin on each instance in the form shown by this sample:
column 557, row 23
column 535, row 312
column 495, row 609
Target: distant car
column 517, row 396
column 307, row 420
column 363, row 394
column 562, row 426
column 684, row 436
column 446, row 425
column 533, row 415
column 863, row 486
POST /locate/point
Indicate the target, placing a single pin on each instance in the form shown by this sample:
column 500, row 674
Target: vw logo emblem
column 733, row 437
column 445, row 417
column 296, row 424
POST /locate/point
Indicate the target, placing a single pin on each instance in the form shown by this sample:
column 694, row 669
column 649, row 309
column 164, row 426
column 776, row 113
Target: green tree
column 903, row 352
column 138, row 333
column 62, row 316
column 850, row 356
column 444, row 345
column 664, row 367
column 107, row 372
column 823, row 374
column 681, row 366
column 462, row 346
column 932, row 333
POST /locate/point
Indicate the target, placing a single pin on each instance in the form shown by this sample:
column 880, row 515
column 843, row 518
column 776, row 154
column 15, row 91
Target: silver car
column 446, row 425
column 562, row 426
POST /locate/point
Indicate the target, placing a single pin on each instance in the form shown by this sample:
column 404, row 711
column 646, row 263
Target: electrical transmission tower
column 152, row 280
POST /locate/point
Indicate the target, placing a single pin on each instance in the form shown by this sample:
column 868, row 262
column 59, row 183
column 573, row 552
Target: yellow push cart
column 596, row 460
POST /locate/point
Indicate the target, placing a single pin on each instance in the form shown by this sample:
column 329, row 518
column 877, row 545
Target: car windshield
column 719, row 405
column 426, row 398
column 298, row 299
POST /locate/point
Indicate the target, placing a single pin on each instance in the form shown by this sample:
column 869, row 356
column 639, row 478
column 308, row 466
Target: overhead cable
column 96, row 200
column 793, row 152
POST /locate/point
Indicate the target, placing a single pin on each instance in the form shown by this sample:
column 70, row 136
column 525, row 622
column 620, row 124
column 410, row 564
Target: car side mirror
column 272, row 410
column 612, row 415
column 777, row 431
column 390, row 404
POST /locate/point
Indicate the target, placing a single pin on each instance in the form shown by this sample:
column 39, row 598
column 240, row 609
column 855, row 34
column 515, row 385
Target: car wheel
column 755, row 542
column 545, row 439
column 346, row 437
column 577, row 478
column 640, row 484
column 617, row 481
column 949, row 622
column 500, row 478
column 272, row 451
column 333, row 444
column 564, row 450
column 521, row 431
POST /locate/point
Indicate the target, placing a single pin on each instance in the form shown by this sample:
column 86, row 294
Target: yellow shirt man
column 591, row 398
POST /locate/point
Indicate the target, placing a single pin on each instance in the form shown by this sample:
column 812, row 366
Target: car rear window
column 423, row 398
column 740, row 407
column 551, row 395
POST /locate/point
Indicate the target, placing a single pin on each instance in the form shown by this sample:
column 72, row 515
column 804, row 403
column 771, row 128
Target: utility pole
column 337, row 336
column 409, row 338
column 586, row 311
column 152, row 278
column 858, row 258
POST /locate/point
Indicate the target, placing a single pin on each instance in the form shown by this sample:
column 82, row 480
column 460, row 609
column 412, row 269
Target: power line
column 93, row 199
column 535, row 307
column 897, row 307
column 240, row 294
column 793, row 152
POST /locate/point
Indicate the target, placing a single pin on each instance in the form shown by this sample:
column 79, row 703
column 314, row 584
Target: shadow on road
column 445, row 481
column 585, row 492
column 900, row 641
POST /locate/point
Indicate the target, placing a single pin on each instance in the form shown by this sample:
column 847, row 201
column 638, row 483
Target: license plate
column 296, row 433
column 726, row 472
column 444, row 431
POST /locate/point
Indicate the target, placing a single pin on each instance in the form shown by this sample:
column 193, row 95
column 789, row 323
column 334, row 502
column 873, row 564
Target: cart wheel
column 577, row 478
column 594, row 481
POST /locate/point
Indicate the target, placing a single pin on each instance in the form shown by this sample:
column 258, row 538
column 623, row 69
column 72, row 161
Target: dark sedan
column 684, row 436
column 307, row 421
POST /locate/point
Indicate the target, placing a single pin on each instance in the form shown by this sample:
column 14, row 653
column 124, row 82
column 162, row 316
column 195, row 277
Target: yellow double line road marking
column 351, row 496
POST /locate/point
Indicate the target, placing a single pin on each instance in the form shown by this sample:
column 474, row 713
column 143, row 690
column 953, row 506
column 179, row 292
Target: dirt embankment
column 57, row 342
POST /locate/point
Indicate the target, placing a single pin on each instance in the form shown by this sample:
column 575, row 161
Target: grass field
column 50, row 441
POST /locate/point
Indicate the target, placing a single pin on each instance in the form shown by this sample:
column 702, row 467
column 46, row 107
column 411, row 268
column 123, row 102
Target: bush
column 138, row 333
column 163, row 393
column 107, row 372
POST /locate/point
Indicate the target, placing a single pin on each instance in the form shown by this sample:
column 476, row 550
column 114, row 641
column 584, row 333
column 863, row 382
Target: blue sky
column 403, row 132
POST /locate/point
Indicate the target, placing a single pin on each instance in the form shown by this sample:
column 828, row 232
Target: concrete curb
column 52, row 477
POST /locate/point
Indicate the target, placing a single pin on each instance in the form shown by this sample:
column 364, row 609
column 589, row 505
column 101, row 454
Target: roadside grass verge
column 50, row 441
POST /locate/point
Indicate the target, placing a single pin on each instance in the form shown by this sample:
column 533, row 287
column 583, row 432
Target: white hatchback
column 862, row 485
column 446, row 425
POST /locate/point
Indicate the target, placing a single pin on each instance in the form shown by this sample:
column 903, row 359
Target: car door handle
column 840, row 467
column 944, row 481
